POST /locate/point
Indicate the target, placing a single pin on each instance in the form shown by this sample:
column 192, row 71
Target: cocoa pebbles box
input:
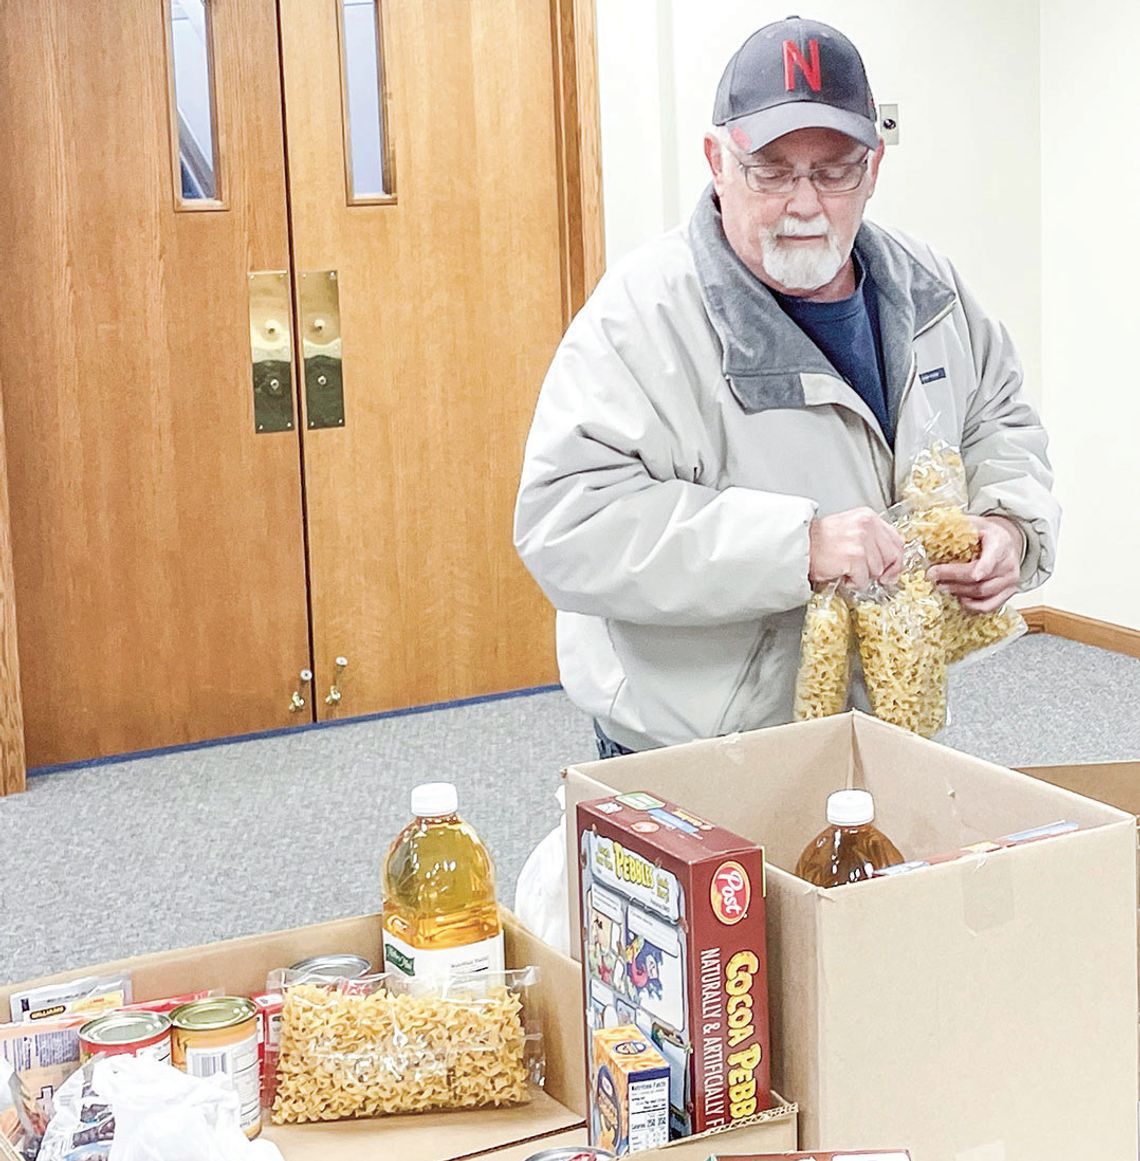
column 673, row 943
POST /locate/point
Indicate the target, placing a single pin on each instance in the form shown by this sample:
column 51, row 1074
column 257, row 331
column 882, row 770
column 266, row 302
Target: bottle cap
column 434, row 799
column 850, row 808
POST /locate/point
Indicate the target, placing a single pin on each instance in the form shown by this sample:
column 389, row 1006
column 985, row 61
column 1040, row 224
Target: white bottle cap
column 850, row 807
column 434, row 800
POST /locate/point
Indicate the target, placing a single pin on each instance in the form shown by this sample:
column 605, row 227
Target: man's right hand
column 854, row 547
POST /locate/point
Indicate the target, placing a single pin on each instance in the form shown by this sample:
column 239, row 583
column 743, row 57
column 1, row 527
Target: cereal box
column 630, row 1092
column 673, row 942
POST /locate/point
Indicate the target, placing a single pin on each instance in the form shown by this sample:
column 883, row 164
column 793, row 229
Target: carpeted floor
column 190, row 847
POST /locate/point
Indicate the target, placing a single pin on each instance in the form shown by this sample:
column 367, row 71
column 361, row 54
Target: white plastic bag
column 542, row 901
column 162, row 1114
column 155, row 1113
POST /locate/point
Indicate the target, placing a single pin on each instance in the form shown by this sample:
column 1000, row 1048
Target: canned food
column 574, row 1153
column 331, row 967
column 126, row 1034
column 220, row 1035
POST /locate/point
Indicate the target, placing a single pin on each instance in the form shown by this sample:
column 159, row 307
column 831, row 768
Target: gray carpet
column 228, row 840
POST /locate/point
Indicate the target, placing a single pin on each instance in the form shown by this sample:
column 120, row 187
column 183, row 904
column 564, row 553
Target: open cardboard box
column 982, row 1008
column 240, row 967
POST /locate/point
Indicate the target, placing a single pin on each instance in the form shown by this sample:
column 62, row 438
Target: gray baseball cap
column 795, row 74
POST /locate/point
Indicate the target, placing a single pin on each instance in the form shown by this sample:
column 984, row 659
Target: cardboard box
column 241, row 966
column 895, row 1156
column 963, row 1011
column 673, row 929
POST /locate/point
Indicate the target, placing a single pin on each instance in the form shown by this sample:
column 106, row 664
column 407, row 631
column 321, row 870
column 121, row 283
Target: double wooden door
column 190, row 533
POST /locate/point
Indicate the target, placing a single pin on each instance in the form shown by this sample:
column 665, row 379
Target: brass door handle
column 334, row 694
column 271, row 350
column 297, row 702
column 321, row 349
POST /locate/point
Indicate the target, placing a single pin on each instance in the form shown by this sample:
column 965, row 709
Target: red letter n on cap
column 810, row 69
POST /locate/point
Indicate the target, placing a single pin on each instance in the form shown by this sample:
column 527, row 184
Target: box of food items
column 901, row 1003
column 435, row 1029
column 240, row 967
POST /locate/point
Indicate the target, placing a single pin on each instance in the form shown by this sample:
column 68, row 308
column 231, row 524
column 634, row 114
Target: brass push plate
column 271, row 348
column 321, row 349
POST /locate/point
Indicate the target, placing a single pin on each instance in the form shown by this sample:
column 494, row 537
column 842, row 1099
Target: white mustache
column 799, row 228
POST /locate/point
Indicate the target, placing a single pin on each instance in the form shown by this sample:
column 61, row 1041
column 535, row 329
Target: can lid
column 341, row 966
column 434, row 799
column 850, row 808
column 123, row 1027
column 216, row 1012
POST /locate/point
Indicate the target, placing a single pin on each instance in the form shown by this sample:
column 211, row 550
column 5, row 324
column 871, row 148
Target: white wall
column 1090, row 198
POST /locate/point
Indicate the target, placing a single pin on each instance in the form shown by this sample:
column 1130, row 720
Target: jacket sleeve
column 611, row 518
column 1004, row 446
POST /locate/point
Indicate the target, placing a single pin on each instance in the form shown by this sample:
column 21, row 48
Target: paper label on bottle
column 420, row 963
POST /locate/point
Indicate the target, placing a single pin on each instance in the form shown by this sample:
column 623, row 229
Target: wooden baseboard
column 1086, row 630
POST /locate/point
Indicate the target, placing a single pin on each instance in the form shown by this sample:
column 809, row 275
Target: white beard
column 801, row 266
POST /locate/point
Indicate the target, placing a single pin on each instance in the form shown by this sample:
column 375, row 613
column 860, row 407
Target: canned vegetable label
column 221, row 1035
column 126, row 1034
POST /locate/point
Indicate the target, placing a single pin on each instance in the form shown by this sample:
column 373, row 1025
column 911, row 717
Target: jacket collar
column 765, row 353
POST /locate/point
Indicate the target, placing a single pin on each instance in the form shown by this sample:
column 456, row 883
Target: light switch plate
column 889, row 123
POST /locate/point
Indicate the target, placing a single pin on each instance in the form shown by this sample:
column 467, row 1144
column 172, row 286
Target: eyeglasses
column 827, row 179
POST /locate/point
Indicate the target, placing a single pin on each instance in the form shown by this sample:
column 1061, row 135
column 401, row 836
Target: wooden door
column 157, row 538
column 454, row 291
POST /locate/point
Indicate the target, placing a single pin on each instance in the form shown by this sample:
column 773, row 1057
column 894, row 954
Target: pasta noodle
column 945, row 533
column 358, row 1055
column 903, row 655
column 964, row 632
column 825, row 657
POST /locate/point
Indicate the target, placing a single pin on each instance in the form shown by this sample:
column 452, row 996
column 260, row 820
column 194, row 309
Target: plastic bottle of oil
column 851, row 847
column 440, row 913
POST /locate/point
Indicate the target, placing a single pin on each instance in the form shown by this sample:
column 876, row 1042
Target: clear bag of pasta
column 937, row 474
column 901, row 649
column 933, row 512
column 384, row 1044
column 824, row 676
column 933, row 502
column 972, row 636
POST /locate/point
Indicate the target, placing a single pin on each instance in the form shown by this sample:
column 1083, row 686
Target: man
column 738, row 400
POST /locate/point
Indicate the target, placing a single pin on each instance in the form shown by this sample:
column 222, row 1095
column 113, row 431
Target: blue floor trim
column 209, row 743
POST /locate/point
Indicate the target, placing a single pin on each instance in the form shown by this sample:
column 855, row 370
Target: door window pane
column 369, row 173
column 193, row 100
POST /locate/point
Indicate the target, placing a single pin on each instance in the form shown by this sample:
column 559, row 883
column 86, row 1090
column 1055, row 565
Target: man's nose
column 804, row 200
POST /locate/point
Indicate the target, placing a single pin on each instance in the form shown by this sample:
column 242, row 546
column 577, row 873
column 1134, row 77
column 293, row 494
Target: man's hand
column 854, row 547
column 985, row 584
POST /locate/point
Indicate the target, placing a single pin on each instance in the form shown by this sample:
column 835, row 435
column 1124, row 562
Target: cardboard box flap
column 1116, row 783
column 943, row 799
column 953, row 799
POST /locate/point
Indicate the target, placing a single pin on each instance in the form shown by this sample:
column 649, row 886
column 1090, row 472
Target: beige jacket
column 687, row 433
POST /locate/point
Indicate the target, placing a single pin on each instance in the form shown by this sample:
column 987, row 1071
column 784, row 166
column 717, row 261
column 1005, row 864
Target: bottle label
column 418, row 962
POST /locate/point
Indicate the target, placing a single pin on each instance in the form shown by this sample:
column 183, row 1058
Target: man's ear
column 876, row 161
column 714, row 154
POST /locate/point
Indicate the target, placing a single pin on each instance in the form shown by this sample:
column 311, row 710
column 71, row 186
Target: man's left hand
column 985, row 584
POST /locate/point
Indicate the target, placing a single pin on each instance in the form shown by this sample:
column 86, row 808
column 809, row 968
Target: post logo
column 730, row 893
column 794, row 59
